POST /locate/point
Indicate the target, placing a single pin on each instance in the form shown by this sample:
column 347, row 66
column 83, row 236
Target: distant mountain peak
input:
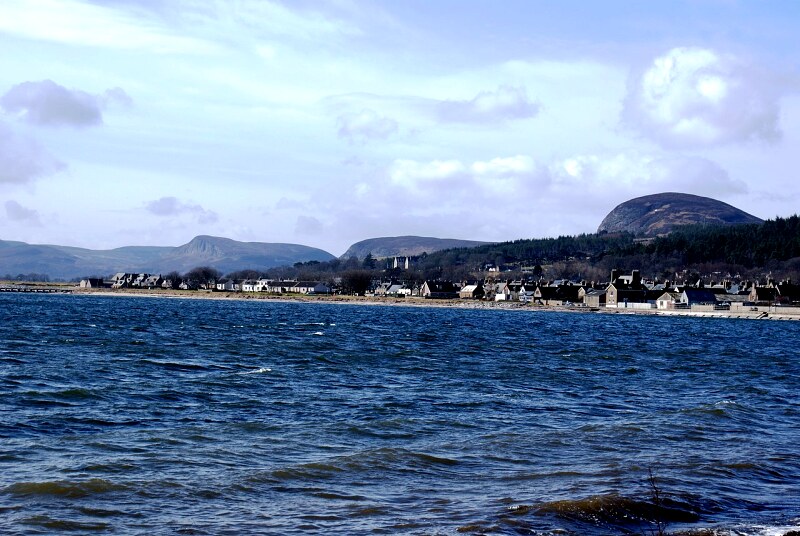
column 206, row 246
column 656, row 214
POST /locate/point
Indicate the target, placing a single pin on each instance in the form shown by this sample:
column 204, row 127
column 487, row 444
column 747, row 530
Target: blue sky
column 325, row 123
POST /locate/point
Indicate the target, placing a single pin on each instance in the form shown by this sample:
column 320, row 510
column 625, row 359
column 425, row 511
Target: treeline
column 752, row 246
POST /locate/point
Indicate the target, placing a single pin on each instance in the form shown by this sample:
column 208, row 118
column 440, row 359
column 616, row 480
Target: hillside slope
column 402, row 246
column 659, row 214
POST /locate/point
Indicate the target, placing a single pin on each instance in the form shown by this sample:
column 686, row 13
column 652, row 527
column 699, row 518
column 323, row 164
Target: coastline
column 770, row 313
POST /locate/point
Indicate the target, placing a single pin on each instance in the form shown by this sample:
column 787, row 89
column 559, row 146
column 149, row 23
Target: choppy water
column 133, row 415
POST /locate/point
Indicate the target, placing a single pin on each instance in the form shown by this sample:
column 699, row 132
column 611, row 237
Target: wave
column 77, row 393
column 378, row 460
column 64, row 488
column 262, row 370
column 64, row 525
column 171, row 365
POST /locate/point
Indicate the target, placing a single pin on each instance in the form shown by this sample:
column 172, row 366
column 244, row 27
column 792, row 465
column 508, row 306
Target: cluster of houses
column 622, row 291
column 127, row 280
column 150, row 281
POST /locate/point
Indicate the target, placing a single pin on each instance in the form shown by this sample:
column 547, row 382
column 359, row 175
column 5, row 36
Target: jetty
column 29, row 289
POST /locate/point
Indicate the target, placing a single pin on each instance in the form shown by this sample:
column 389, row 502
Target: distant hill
column 405, row 246
column 224, row 254
column 659, row 214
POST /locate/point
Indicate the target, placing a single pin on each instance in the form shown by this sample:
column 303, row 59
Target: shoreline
column 770, row 314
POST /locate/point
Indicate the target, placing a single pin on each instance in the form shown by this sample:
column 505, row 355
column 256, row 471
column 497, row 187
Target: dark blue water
column 173, row 416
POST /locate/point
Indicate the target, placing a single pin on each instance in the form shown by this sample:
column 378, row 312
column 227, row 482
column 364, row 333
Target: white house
column 668, row 300
column 227, row 285
column 262, row 285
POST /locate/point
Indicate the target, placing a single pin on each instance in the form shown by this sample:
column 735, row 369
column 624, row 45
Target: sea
column 138, row 415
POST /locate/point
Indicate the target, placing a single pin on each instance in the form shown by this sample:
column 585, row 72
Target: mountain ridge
column 224, row 254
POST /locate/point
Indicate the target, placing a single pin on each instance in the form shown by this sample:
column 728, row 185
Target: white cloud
column 638, row 174
column 77, row 23
column 22, row 159
column 447, row 186
column 502, row 167
column 412, row 174
column 18, row 213
column 696, row 97
column 49, row 104
column 506, row 103
column 172, row 207
column 365, row 125
column 508, row 176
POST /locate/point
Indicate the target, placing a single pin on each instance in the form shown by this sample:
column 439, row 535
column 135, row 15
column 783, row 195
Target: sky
column 149, row 122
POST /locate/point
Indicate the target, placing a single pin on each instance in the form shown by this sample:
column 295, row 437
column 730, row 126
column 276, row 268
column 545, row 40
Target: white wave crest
column 257, row 371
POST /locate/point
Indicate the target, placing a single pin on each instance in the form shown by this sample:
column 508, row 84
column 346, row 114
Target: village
column 628, row 291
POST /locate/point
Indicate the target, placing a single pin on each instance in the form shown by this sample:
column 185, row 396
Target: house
column 625, row 289
column 526, row 292
column 669, row 300
column 92, row 282
column 387, row 288
column 593, row 297
column 764, row 295
column 122, row 280
column 547, row 295
column 309, row 287
column 139, row 280
column 153, row 281
column 698, row 296
column 500, row 291
column 262, row 285
column 789, row 292
column 279, row 286
column 228, row 285
column 513, row 290
column 392, row 289
column 321, row 288
column 439, row 290
column 559, row 292
column 471, row 292
column 302, row 287
column 249, row 285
